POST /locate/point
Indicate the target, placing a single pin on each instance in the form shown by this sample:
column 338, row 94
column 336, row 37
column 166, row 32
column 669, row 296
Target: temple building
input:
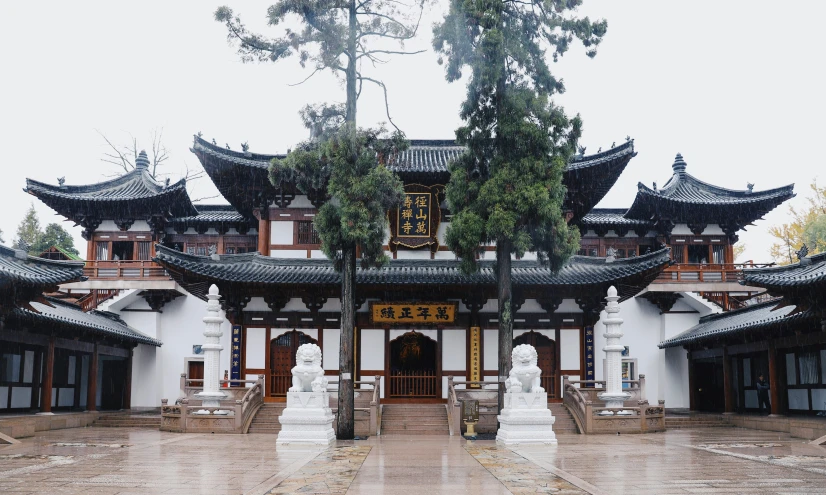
column 152, row 256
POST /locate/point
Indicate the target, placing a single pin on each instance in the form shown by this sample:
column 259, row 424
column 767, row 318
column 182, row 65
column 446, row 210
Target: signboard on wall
column 475, row 368
column 235, row 354
column 415, row 222
column 589, row 355
column 403, row 313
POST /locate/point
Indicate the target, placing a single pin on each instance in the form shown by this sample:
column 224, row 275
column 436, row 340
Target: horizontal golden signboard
column 435, row 313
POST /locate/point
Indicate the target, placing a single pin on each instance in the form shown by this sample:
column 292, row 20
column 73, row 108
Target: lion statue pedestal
column 525, row 418
column 307, row 419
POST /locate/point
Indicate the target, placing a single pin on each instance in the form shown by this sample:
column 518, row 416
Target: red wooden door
column 282, row 360
column 546, row 354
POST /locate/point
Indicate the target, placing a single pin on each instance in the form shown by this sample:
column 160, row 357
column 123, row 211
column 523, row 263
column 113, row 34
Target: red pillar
column 92, row 388
column 263, row 232
column 48, row 379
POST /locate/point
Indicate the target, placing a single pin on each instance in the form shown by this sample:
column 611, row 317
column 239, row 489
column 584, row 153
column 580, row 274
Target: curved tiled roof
column 100, row 322
column 683, row 195
column 135, row 186
column 612, row 216
column 758, row 317
column 588, row 178
column 807, row 273
column 255, row 269
column 17, row 268
column 213, row 214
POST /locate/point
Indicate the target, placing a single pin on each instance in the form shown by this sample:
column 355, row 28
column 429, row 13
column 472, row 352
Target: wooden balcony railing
column 413, row 383
column 95, row 297
column 124, row 270
column 706, row 272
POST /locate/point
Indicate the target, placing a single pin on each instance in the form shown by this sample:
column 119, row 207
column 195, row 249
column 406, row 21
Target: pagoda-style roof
column 686, row 199
column 221, row 217
column 732, row 324
column 242, row 177
column 134, row 195
column 601, row 220
column 802, row 283
column 57, row 315
column 581, row 275
column 21, row 270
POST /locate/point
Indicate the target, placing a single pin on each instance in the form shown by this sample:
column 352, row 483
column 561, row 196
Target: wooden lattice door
column 546, row 353
column 282, row 360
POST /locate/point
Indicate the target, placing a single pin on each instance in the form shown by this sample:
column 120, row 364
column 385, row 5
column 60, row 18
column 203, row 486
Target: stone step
column 414, row 419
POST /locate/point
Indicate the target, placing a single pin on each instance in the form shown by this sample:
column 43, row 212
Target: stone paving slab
column 116, row 461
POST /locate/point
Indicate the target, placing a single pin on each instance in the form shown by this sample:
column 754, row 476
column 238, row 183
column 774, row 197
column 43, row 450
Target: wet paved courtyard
column 139, row 461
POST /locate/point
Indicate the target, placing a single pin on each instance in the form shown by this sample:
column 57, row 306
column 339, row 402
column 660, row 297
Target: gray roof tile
column 807, row 273
column 17, row 268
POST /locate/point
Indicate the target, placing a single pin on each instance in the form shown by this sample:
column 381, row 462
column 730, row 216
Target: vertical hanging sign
column 589, row 355
column 235, row 360
column 475, row 370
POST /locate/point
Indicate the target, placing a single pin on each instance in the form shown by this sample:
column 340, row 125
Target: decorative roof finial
column 679, row 164
column 627, row 138
column 142, row 161
column 61, row 181
column 214, row 142
column 599, row 150
column 613, row 145
column 802, row 252
column 655, row 187
column 581, row 150
column 166, row 183
column 750, row 187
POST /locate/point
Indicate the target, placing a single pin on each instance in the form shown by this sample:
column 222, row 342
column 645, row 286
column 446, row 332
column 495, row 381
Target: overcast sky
column 737, row 87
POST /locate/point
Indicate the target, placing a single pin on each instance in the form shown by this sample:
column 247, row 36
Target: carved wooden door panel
column 546, row 359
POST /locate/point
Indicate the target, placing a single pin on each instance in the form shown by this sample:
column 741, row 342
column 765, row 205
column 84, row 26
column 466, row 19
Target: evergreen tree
column 28, row 232
column 55, row 235
column 507, row 188
column 339, row 36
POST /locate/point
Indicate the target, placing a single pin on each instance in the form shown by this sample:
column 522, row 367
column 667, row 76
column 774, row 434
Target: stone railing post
column 183, row 385
column 642, row 386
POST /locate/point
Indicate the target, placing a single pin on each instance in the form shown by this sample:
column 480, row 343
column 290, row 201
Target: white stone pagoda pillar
column 613, row 396
column 212, row 394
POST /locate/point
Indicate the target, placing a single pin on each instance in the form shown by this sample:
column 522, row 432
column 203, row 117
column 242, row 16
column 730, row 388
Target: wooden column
column 90, row 250
column 127, row 393
column 263, row 231
column 691, row 399
column 92, row 388
column 48, row 379
column 727, row 388
column 774, row 381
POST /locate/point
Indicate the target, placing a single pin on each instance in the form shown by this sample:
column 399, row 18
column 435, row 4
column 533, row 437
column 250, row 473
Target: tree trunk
column 503, row 285
column 346, row 425
column 345, row 428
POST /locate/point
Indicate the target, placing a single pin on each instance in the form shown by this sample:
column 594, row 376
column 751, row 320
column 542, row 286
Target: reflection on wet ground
column 139, row 461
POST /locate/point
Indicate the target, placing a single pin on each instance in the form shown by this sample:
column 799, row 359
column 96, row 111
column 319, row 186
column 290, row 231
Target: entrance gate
column 413, row 367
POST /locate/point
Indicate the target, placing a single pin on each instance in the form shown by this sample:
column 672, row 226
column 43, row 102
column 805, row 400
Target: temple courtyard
column 131, row 461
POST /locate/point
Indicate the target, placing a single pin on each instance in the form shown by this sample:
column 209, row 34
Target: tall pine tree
column 340, row 37
column 507, row 188
column 28, row 232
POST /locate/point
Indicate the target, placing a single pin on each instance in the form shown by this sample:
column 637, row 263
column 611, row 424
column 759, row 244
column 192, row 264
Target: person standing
column 763, row 393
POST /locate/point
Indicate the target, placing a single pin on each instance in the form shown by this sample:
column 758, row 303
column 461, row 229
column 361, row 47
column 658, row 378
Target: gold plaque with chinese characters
column 403, row 313
column 415, row 222
column 475, row 369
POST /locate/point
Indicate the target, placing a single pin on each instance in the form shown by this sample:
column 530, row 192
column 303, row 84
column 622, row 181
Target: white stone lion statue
column 524, row 376
column 308, row 375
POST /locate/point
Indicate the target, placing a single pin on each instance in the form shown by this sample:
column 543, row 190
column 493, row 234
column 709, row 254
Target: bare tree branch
column 386, row 102
column 118, row 158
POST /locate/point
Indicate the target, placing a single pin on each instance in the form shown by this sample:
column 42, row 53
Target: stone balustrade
column 233, row 415
column 589, row 412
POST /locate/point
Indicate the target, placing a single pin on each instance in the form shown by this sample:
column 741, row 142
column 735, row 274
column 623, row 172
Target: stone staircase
column 564, row 422
column 676, row 422
column 414, row 419
column 128, row 419
column 266, row 419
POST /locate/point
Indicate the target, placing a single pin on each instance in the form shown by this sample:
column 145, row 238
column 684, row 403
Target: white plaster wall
column 569, row 348
column 413, row 254
column 288, row 253
column 332, row 338
column 281, row 232
column 454, row 350
column 146, row 360
column 256, row 348
column 490, row 349
column 372, row 349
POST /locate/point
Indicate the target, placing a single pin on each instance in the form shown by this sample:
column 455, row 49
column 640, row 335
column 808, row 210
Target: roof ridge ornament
column 611, row 256
column 679, row 165
column 750, row 187
column 142, row 161
column 802, row 253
